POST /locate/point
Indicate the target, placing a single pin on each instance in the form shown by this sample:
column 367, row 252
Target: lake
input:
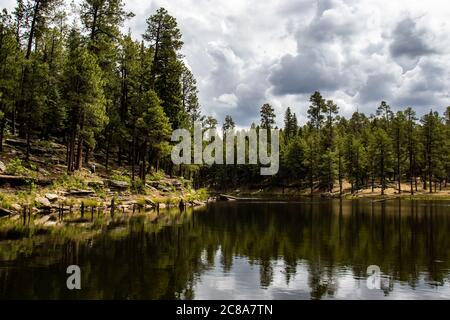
column 309, row 249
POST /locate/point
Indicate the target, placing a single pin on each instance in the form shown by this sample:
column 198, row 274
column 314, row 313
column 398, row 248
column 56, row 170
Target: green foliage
column 156, row 175
column 267, row 116
column 165, row 38
column 70, row 181
column 15, row 167
column 120, row 176
column 5, row 201
column 138, row 186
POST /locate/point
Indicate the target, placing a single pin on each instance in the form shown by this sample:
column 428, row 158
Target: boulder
column 177, row 183
column 43, row 203
column 43, row 220
column 2, row 167
column 43, row 172
column 164, row 189
column 152, row 184
column 80, row 193
column 162, row 206
column 52, row 197
column 16, row 207
column 119, row 184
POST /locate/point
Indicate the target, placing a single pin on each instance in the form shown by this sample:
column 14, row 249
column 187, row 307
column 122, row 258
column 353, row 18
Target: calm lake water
column 311, row 249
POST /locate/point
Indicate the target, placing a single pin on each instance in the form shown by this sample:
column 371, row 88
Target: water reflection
column 302, row 250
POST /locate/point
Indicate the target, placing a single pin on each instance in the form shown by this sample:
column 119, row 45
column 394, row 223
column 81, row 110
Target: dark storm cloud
column 409, row 40
column 378, row 87
column 305, row 73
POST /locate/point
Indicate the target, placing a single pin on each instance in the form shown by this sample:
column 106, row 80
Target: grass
column 73, row 181
column 156, row 176
column 5, row 201
column 15, row 167
column 120, row 176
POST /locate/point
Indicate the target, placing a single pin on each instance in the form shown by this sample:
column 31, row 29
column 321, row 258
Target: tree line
column 384, row 149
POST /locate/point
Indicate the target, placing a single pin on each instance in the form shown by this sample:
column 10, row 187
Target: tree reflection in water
column 173, row 257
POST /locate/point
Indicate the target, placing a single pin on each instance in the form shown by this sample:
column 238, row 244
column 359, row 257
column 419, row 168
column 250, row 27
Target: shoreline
column 365, row 194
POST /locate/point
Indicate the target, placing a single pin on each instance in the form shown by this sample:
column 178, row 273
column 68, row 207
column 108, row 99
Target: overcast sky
column 246, row 53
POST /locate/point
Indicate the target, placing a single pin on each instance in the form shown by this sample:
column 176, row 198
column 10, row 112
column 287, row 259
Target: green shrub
column 138, row 186
column 16, row 168
column 70, row 182
column 120, row 176
column 156, row 175
column 5, row 201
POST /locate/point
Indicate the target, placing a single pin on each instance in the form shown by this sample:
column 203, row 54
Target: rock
column 162, row 206
column 50, row 224
column 177, row 183
column 152, row 184
column 43, row 220
column 52, row 197
column 2, row 167
column 150, row 202
column 80, row 193
column 43, row 172
column 16, row 207
column 197, row 203
column 16, row 142
column 43, row 203
column 119, row 184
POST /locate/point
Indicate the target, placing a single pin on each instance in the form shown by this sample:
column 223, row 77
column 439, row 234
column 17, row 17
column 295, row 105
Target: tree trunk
column 32, row 29
column 119, row 155
column 79, row 152
column 133, row 154
column 87, row 155
column 382, row 173
column 144, row 162
column 79, row 162
column 28, row 127
column 2, row 130
column 156, row 56
column 108, row 146
column 399, row 175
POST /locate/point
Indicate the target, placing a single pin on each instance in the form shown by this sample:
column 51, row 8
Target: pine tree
column 267, row 116
column 154, row 128
column 165, row 39
column 84, row 99
column 398, row 136
column 431, row 135
column 316, row 110
column 8, row 70
column 190, row 97
column 290, row 125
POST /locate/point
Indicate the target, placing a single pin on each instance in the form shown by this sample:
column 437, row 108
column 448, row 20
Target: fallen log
column 23, row 180
column 5, row 212
column 80, row 193
column 225, row 197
